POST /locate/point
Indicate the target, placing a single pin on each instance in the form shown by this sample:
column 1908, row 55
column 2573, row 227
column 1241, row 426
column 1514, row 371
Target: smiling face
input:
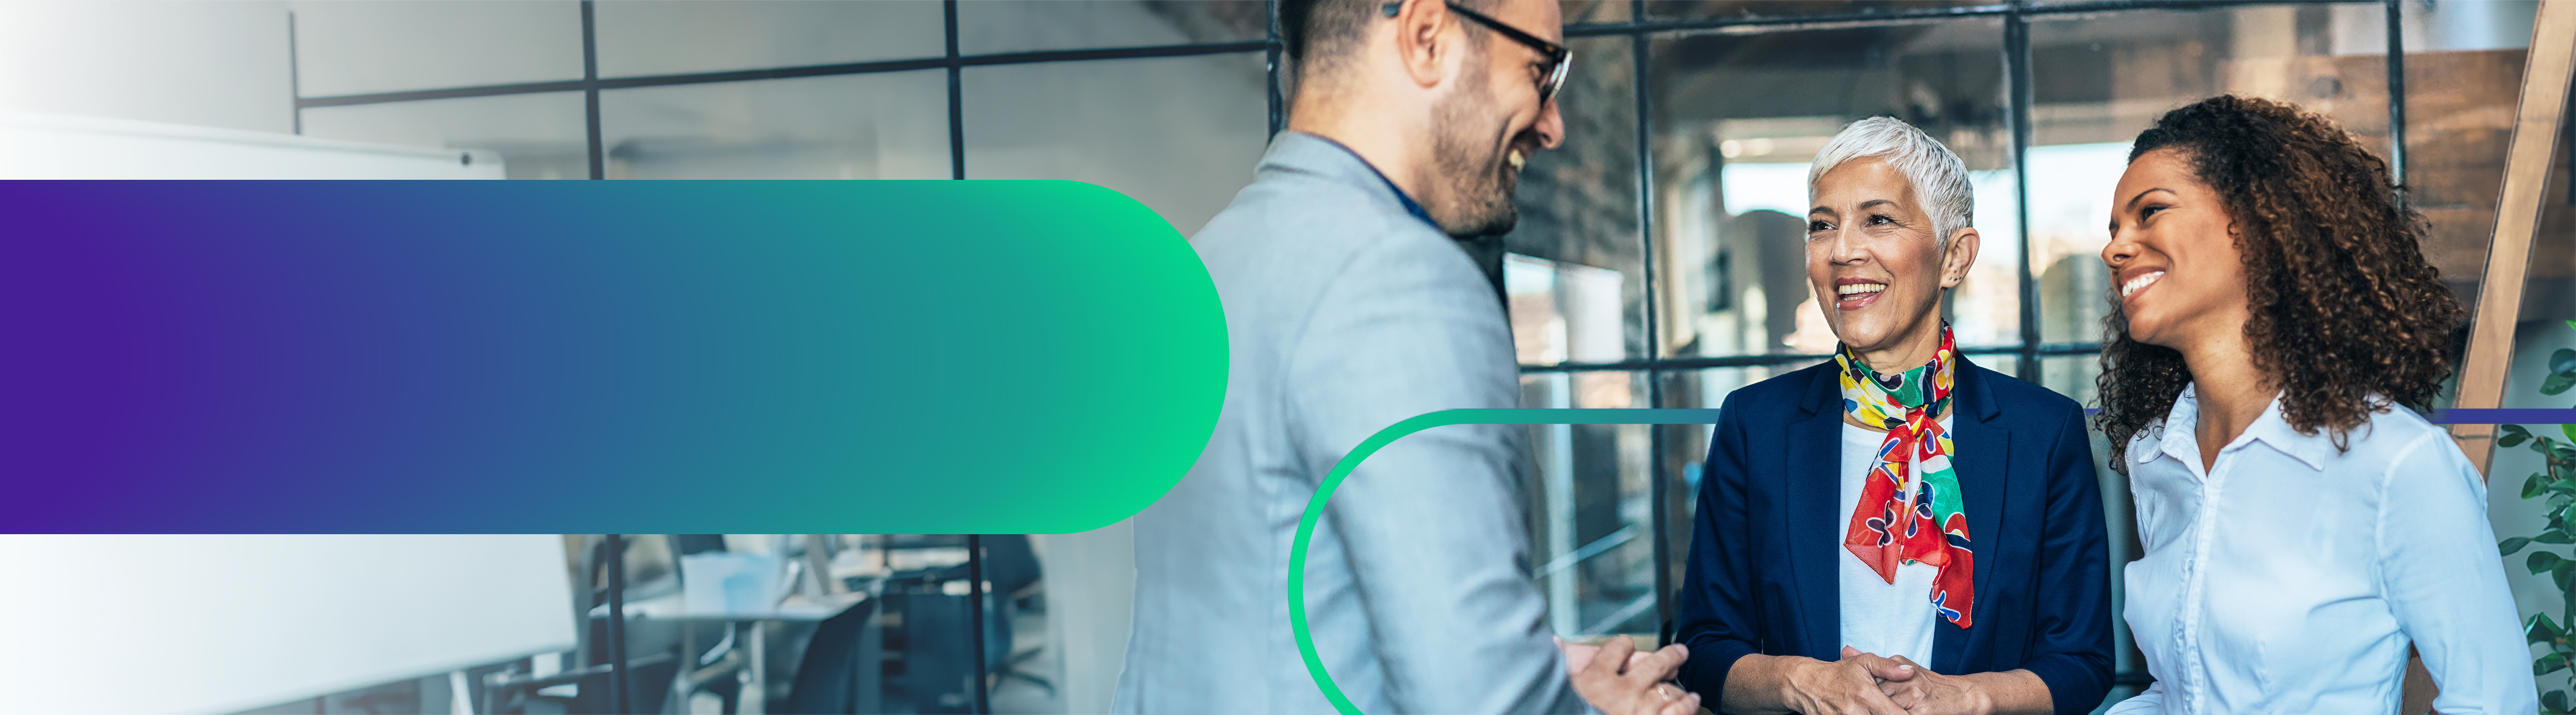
column 2173, row 256
column 1492, row 121
column 1877, row 268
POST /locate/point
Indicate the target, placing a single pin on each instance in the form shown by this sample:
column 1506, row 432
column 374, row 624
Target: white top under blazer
column 2291, row 576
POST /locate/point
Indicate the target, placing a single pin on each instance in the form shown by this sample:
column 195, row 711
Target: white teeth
column 1515, row 159
column 1859, row 288
column 2139, row 282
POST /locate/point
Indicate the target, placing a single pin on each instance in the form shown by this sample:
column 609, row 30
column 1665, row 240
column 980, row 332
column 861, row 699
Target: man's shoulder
column 1311, row 214
column 1297, row 232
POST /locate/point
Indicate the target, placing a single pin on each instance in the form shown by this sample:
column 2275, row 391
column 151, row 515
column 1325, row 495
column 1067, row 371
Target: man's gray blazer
column 1345, row 315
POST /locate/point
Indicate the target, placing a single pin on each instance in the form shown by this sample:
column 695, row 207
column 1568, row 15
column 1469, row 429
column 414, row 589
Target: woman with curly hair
column 2273, row 311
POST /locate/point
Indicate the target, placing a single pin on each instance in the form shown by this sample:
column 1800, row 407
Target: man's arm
column 1430, row 525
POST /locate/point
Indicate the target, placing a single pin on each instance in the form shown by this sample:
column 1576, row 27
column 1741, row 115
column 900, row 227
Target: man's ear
column 1419, row 45
column 1959, row 253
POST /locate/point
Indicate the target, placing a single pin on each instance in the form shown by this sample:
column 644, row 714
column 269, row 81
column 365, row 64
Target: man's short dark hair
column 1326, row 30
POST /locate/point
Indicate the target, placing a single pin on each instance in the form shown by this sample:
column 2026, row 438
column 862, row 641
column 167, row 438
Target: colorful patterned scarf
column 1901, row 520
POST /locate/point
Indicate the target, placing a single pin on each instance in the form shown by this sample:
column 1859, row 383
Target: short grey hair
column 1939, row 179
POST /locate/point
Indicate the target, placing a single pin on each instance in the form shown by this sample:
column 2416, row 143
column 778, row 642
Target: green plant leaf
column 2558, row 382
column 2569, row 430
column 2554, row 536
column 2555, row 701
column 2549, row 663
column 2508, row 546
column 2542, row 561
column 2564, row 360
column 2564, row 574
column 2541, row 630
column 2535, row 485
column 2560, row 501
column 2513, row 436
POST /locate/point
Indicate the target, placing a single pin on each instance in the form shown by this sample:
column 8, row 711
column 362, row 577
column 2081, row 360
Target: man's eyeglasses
column 1558, row 59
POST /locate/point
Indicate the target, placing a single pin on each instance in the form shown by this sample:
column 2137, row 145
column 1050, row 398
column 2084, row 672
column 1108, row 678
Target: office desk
column 674, row 607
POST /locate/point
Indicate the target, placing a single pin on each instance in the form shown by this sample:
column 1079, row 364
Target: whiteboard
column 44, row 146
column 196, row 623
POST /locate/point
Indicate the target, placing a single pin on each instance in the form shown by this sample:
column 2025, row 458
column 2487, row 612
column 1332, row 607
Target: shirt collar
column 2176, row 434
column 1410, row 207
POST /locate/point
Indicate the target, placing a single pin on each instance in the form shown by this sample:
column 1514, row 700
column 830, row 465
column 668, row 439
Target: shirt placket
column 2195, row 577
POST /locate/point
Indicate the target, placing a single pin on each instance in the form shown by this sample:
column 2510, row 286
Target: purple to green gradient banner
column 595, row 357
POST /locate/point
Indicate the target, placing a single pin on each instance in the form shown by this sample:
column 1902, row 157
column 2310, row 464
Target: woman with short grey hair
column 1896, row 530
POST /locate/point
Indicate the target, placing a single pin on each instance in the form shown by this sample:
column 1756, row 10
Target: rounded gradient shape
column 720, row 357
column 1417, row 423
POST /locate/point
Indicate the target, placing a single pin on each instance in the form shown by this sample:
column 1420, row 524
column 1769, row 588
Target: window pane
column 2006, row 363
column 395, row 45
column 1590, row 507
column 1577, row 12
column 870, row 126
column 678, row 36
column 2072, row 376
column 1180, row 134
column 991, row 26
column 2464, row 66
column 1739, row 117
column 2098, row 80
column 1751, row 9
column 1685, row 447
column 539, row 136
column 1578, row 209
column 1564, row 312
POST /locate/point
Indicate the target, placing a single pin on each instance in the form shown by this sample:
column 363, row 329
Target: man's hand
column 1619, row 680
column 1579, row 655
column 1845, row 687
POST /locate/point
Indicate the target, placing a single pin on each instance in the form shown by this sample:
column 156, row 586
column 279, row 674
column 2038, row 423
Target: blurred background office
column 1657, row 263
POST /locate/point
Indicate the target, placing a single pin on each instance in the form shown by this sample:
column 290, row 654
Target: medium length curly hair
column 2348, row 317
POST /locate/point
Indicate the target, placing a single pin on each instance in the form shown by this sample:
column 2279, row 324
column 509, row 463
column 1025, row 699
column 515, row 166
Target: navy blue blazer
column 1765, row 545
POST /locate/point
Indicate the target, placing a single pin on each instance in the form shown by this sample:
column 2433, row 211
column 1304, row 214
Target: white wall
column 46, row 146
column 123, row 623
column 213, row 64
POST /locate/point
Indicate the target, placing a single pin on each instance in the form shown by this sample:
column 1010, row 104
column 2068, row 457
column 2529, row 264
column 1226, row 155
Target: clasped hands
column 1618, row 679
column 1869, row 684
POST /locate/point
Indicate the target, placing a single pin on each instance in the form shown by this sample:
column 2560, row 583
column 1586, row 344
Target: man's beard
column 1470, row 171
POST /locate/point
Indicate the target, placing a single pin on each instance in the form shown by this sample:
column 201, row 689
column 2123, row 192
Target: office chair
column 1012, row 567
column 936, row 656
column 842, row 671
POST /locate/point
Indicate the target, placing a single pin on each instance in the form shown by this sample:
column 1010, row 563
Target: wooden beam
column 2549, row 66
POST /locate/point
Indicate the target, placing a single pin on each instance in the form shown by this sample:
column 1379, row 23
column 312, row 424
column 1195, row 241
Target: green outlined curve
column 1417, row 423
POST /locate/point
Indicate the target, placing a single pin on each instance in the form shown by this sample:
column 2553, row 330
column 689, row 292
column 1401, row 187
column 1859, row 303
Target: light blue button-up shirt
column 2291, row 576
